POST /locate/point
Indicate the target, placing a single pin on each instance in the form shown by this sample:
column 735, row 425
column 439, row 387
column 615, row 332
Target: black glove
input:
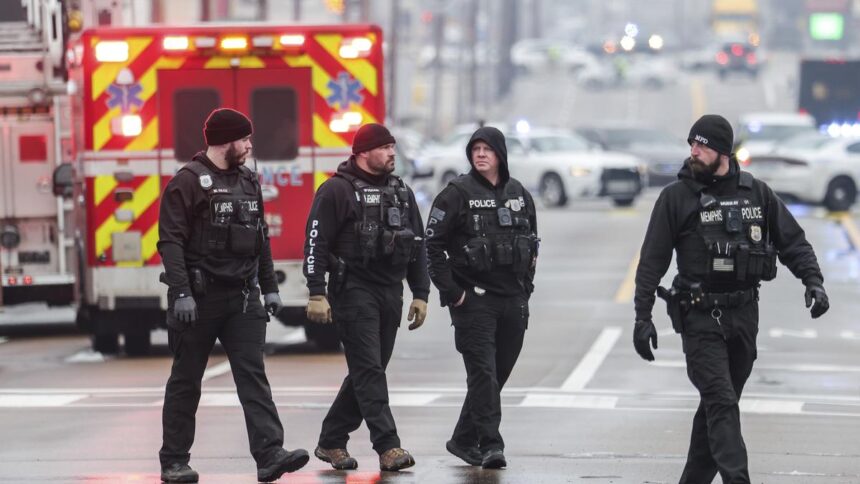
column 822, row 303
column 642, row 332
column 185, row 309
column 273, row 304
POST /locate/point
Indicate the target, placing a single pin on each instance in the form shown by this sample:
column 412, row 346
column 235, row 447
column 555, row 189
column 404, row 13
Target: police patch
column 437, row 213
column 755, row 233
column 514, row 204
column 205, row 181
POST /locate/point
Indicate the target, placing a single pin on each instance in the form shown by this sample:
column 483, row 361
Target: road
column 581, row 406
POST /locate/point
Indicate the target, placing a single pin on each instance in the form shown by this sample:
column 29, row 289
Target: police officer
column 482, row 245
column 727, row 229
column 364, row 229
column 215, row 247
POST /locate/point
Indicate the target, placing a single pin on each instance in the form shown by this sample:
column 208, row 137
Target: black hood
column 350, row 167
column 496, row 140
column 687, row 172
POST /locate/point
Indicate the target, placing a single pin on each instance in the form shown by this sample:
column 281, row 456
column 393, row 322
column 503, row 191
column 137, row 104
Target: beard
column 702, row 170
column 385, row 167
column 234, row 157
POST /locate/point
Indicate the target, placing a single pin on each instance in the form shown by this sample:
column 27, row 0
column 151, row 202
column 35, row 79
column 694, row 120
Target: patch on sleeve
column 437, row 214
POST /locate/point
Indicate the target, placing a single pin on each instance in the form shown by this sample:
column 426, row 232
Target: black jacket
column 673, row 227
column 335, row 209
column 182, row 203
column 446, row 233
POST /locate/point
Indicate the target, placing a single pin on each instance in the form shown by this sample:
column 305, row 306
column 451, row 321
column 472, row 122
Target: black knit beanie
column 713, row 131
column 225, row 126
column 371, row 136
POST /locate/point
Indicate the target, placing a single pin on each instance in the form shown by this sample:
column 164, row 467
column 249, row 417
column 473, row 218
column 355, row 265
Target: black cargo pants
column 367, row 318
column 719, row 360
column 243, row 335
column 488, row 332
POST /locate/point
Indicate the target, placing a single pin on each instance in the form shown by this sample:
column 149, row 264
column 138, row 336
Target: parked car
column 737, row 57
column 556, row 165
column 662, row 152
column 650, row 73
column 813, row 168
column 759, row 133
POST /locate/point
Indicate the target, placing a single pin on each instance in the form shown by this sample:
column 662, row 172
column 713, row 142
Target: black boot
column 494, row 459
column 177, row 472
column 287, row 461
column 470, row 455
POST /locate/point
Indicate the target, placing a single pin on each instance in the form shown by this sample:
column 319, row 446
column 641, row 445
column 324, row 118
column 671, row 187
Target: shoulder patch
column 437, row 213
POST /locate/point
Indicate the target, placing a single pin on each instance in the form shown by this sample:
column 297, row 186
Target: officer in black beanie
column 364, row 230
column 727, row 229
column 214, row 244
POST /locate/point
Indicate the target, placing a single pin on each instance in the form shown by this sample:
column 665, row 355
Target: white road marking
column 412, row 399
column 799, row 367
column 771, row 407
column 592, row 360
column 294, row 336
column 568, row 401
column 793, row 333
column 86, row 356
column 32, row 401
column 849, row 335
column 217, row 370
column 219, row 400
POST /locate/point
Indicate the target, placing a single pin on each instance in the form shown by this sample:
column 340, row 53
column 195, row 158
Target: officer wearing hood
column 214, row 243
column 482, row 245
column 364, row 230
column 727, row 230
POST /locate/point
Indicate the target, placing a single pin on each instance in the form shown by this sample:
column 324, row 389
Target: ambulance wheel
column 324, row 336
column 106, row 342
column 841, row 194
column 552, row 191
column 138, row 341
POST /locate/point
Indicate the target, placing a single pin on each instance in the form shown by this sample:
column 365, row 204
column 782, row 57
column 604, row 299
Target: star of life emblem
column 205, row 181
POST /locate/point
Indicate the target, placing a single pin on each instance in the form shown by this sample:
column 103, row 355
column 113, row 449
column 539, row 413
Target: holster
column 336, row 274
column 677, row 305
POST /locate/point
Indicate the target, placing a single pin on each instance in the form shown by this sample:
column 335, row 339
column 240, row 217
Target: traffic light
column 826, row 26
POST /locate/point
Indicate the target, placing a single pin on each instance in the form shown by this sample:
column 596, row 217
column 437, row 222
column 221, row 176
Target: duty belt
column 734, row 299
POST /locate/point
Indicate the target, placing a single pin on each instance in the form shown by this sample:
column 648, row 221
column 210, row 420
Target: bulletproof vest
column 231, row 224
column 499, row 230
column 734, row 230
column 383, row 231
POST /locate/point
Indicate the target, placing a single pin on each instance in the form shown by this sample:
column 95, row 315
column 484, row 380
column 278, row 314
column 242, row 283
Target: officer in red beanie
column 364, row 229
column 214, row 243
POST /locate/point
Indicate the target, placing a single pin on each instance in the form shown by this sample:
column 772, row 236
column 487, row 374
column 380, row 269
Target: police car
column 813, row 168
column 556, row 165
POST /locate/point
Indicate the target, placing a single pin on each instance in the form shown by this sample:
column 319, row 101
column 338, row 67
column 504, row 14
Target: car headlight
column 579, row 171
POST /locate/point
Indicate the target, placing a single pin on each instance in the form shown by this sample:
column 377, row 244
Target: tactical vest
column 231, row 225
column 734, row 229
column 500, row 234
column 383, row 231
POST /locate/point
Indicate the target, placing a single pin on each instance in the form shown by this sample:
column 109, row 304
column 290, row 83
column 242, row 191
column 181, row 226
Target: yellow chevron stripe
column 360, row 69
column 319, row 77
column 222, row 62
column 319, row 178
column 325, row 137
column 145, row 195
column 149, row 241
column 103, row 186
column 146, row 140
column 366, row 117
column 101, row 130
column 149, row 78
column 106, row 73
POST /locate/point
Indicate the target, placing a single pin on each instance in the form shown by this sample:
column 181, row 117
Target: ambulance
column 139, row 98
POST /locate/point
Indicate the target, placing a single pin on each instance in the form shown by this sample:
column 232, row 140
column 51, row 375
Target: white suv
column 555, row 165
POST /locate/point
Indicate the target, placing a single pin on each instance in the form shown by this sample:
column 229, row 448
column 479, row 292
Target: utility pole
column 205, row 11
column 297, row 10
column 262, row 10
column 393, row 62
column 438, row 41
column 508, row 36
column 472, row 39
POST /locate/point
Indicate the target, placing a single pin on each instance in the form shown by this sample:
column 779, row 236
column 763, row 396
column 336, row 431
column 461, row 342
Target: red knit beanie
column 371, row 136
column 225, row 126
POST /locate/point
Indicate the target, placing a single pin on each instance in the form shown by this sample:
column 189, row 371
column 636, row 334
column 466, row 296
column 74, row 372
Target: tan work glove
column 417, row 310
column 319, row 310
